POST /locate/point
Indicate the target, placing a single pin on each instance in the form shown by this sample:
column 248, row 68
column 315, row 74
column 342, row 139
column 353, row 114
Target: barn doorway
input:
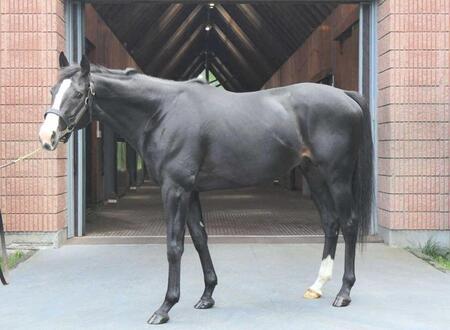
column 237, row 46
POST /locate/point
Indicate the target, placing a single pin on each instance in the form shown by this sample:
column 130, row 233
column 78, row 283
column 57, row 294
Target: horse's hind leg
column 200, row 238
column 341, row 190
column 322, row 198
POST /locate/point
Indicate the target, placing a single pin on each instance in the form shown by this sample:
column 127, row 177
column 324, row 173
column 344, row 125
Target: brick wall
column 414, row 114
column 33, row 192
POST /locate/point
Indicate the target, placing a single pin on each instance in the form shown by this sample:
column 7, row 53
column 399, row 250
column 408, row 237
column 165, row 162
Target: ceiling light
column 211, row 5
column 207, row 27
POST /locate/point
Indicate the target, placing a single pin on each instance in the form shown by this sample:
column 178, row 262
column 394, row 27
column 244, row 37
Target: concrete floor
column 262, row 211
column 260, row 287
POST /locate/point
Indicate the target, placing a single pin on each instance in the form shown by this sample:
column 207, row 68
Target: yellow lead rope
column 21, row 158
column 4, row 272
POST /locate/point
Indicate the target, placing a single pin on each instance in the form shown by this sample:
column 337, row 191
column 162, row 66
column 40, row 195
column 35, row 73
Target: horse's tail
column 363, row 177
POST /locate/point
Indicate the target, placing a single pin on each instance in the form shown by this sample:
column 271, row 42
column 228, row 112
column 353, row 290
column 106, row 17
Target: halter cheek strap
column 67, row 120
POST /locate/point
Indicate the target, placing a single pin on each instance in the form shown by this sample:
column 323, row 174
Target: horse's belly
column 248, row 170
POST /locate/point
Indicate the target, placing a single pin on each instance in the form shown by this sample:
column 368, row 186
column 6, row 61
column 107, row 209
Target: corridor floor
column 262, row 211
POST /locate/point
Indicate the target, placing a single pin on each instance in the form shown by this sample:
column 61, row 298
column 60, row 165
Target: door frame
column 76, row 151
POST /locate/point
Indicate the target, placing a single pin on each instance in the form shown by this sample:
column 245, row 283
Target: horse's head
column 70, row 108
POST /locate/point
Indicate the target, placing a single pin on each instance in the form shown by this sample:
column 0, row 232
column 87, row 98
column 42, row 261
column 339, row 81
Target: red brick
column 413, row 114
column 32, row 192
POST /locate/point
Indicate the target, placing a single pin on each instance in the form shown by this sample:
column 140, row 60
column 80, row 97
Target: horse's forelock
column 68, row 72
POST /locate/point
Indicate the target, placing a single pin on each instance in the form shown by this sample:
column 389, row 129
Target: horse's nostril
column 53, row 138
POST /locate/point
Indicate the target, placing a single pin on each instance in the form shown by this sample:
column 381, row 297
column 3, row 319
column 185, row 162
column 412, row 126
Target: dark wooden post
column 132, row 166
column 4, row 266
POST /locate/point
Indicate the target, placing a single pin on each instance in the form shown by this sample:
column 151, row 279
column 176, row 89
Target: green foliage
column 444, row 262
column 438, row 253
column 140, row 163
column 121, row 156
column 431, row 248
column 14, row 259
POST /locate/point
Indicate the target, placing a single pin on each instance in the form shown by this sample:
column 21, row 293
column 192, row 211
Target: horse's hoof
column 341, row 301
column 311, row 294
column 158, row 318
column 204, row 303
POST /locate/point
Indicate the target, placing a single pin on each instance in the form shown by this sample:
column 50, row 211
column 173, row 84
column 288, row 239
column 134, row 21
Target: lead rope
column 21, row 158
column 4, row 263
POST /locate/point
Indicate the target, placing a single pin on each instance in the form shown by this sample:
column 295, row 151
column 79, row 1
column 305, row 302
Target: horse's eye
column 78, row 94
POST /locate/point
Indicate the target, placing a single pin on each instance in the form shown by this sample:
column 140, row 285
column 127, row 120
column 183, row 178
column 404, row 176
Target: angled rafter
column 165, row 72
column 187, row 72
column 221, row 79
column 250, row 41
column 242, row 37
column 222, row 1
column 296, row 27
column 215, row 60
column 311, row 17
column 224, row 81
column 258, row 23
column 197, row 70
column 240, row 59
column 150, row 15
column 161, row 24
column 174, row 40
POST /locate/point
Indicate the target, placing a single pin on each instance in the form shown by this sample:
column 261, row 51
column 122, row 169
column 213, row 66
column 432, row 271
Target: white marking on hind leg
column 325, row 272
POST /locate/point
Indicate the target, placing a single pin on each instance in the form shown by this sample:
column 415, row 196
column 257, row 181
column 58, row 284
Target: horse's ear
column 85, row 66
column 63, row 62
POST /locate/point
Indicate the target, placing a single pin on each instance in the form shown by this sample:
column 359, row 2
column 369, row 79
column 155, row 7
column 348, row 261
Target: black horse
column 194, row 138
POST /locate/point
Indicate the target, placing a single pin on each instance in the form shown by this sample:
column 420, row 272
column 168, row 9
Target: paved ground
column 260, row 287
column 262, row 211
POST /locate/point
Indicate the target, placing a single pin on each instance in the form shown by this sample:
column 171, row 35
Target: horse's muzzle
column 50, row 131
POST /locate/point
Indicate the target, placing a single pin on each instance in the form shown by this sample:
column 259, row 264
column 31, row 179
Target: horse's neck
column 126, row 104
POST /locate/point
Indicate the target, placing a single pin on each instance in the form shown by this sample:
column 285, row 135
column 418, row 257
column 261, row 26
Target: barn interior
column 240, row 47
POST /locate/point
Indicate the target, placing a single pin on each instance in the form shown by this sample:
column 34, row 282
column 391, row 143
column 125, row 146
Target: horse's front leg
column 176, row 206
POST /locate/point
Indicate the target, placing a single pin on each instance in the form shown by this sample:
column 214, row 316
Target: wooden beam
column 311, row 17
column 240, row 59
column 164, row 21
column 221, row 1
column 221, row 78
column 324, row 10
column 151, row 17
column 295, row 20
column 258, row 24
column 174, row 40
column 181, row 52
column 197, row 70
column 187, row 72
column 280, row 27
column 243, row 38
column 224, row 81
column 226, row 72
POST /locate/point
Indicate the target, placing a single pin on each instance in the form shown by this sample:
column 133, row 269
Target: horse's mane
column 69, row 71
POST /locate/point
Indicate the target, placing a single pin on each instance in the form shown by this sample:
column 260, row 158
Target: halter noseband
column 65, row 134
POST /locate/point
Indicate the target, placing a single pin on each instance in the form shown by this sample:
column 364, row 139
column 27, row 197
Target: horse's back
column 243, row 139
